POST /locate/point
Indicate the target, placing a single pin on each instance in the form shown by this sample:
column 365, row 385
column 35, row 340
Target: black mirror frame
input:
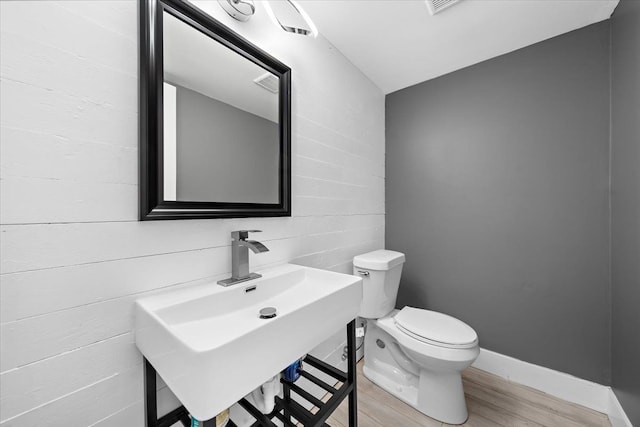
column 151, row 179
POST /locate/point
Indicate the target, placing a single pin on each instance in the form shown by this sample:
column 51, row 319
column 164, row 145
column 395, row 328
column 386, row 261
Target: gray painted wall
column 625, row 166
column 497, row 191
column 224, row 154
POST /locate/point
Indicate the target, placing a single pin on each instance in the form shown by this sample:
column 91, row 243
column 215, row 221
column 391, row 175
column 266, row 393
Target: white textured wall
column 74, row 257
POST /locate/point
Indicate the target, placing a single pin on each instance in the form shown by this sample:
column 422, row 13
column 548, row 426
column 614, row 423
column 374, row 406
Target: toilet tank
column 380, row 271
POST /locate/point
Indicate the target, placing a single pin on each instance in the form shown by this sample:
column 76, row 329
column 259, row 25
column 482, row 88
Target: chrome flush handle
column 363, row 273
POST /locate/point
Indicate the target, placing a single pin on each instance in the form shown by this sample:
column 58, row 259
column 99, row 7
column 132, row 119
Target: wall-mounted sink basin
column 211, row 347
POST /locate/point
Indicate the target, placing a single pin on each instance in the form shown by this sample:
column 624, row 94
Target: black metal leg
column 179, row 414
column 351, row 373
column 150, row 403
column 286, row 393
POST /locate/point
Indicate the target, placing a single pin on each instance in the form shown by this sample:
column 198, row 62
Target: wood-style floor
column 491, row 400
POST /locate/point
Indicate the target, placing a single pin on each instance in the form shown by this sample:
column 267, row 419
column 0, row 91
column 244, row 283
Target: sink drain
column 268, row 313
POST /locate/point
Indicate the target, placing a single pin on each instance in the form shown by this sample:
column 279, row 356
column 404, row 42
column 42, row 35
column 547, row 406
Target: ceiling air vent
column 436, row 6
column 269, row 82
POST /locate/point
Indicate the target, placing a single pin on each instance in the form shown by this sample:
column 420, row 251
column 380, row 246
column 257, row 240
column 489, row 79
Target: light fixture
column 242, row 10
column 291, row 17
column 436, row 6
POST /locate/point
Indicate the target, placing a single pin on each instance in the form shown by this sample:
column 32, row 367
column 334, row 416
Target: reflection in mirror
column 221, row 132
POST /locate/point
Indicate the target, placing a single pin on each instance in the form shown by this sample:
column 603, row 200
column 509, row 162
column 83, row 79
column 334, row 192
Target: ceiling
column 397, row 43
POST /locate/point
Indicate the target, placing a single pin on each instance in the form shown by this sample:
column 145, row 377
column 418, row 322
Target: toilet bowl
column 416, row 355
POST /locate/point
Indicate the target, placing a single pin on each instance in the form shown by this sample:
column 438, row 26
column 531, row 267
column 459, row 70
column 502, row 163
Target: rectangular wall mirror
column 215, row 132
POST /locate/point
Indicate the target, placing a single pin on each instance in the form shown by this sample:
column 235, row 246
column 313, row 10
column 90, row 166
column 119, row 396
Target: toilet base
column 441, row 397
column 406, row 392
column 438, row 396
column 436, row 392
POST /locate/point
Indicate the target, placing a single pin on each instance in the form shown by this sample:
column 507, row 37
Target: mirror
column 214, row 119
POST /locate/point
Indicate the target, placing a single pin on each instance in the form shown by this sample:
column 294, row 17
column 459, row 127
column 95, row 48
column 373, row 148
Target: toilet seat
column 421, row 350
column 435, row 328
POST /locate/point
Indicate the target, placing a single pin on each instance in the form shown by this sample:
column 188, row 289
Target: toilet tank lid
column 379, row 260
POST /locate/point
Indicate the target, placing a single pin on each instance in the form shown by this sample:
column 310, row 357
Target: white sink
column 209, row 344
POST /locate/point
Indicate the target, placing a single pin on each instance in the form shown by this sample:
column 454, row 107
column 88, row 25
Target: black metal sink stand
column 286, row 408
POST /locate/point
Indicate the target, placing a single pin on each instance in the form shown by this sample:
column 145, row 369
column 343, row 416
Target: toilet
column 416, row 355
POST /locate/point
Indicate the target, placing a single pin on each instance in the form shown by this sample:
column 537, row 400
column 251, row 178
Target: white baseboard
column 616, row 414
column 564, row 386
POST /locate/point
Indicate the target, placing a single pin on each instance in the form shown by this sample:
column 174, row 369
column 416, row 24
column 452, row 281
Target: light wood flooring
column 491, row 400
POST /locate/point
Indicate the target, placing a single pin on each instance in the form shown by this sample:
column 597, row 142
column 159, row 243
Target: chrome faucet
column 240, row 257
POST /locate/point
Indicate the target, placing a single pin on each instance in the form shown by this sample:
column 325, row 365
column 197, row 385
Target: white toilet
column 416, row 355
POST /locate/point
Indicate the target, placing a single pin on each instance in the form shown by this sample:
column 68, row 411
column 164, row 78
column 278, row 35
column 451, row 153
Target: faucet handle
column 243, row 234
